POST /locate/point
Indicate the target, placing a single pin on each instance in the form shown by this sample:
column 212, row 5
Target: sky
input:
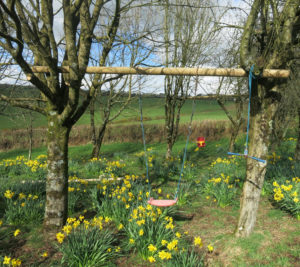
column 152, row 83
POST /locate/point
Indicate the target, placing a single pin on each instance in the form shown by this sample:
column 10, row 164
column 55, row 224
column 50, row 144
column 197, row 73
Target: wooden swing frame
column 224, row 72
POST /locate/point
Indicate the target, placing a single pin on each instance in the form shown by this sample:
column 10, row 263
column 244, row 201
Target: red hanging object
column 201, row 142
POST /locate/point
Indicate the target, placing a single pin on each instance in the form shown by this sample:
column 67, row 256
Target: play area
column 160, row 133
column 132, row 206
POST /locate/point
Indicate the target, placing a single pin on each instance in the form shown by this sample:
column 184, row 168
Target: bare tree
column 267, row 42
column 237, row 88
column 132, row 51
column 31, row 26
column 114, row 97
column 189, row 37
column 232, row 86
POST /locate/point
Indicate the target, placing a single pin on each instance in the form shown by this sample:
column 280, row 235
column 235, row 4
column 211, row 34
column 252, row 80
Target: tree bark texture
column 92, row 122
column 172, row 112
column 98, row 142
column 262, row 112
column 233, row 136
column 297, row 150
column 30, row 137
column 57, row 176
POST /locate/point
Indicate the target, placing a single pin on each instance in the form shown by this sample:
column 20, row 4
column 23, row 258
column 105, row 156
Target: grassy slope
column 153, row 111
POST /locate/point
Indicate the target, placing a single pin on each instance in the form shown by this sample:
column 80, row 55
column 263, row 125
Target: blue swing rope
column 251, row 76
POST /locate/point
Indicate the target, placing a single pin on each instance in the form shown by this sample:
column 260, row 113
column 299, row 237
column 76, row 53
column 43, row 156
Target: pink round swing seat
column 162, row 202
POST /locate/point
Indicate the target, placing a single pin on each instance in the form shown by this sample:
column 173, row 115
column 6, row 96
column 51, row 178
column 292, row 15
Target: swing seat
column 162, row 202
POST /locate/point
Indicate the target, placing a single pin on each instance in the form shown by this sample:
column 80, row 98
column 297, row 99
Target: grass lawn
column 206, row 208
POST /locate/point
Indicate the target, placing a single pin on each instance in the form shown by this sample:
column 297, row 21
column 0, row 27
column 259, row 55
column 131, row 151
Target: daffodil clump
column 20, row 166
column 149, row 155
column 115, row 198
column 177, row 252
column 84, row 242
column 287, row 195
column 23, row 208
column 233, row 166
column 104, row 167
column 9, row 261
column 167, row 244
column 146, row 223
column 222, row 189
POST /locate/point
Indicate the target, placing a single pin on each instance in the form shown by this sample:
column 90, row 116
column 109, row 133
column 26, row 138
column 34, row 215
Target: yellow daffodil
column 152, row 248
column 9, row 194
column 67, row 229
column 6, row 260
column 172, row 245
column 22, row 195
column 15, row 262
column 164, row 255
column 164, row 242
column 210, row 248
column 198, row 241
column 60, row 237
column 17, row 232
column 151, row 259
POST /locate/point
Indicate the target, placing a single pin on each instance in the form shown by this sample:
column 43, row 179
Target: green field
column 153, row 111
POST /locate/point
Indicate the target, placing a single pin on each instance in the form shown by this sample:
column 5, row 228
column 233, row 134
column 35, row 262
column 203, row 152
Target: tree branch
column 18, row 102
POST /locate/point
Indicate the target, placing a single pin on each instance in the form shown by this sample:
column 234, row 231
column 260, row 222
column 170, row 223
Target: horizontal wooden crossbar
column 267, row 73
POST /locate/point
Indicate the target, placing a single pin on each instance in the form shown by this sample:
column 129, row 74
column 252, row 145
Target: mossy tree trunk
column 263, row 109
column 266, row 43
column 57, row 176
column 297, row 150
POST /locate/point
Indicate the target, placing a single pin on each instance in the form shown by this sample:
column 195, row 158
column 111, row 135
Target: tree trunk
column 169, row 150
column 233, row 136
column 169, row 124
column 262, row 111
column 92, row 118
column 99, row 140
column 30, row 137
column 57, row 178
column 297, row 150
